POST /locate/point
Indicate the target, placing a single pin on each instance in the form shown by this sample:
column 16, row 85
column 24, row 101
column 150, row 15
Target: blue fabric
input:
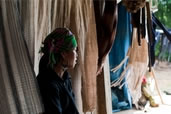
column 121, row 98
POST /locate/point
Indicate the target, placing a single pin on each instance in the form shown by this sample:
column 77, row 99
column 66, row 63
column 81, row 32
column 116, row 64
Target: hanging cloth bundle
column 138, row 21
column 150, row 34
column 106, row 24
column 133, row 5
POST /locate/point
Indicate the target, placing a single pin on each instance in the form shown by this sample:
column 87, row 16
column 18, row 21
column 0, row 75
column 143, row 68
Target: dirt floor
column 163, row 76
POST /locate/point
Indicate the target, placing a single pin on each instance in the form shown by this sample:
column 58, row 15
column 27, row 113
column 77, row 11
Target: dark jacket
column 57, row 94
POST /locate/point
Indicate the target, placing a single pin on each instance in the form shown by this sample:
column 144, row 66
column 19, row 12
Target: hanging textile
column 106, row 24
column 26, row 17
column 82, row 23
column 138, row 58
column 121, row 98
column 139, row 22
column 18, row 88
column 138, row 63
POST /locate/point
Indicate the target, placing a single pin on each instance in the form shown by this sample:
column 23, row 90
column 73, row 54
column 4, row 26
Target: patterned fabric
column 61, row 39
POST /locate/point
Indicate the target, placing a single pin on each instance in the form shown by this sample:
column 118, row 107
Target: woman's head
column 60, row 47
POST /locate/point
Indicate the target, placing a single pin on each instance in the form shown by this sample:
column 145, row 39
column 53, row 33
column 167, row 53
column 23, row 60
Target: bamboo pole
column 156, row 84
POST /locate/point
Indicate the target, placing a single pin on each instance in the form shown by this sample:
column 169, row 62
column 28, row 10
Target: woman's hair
column 61, row 39
column 43, row 64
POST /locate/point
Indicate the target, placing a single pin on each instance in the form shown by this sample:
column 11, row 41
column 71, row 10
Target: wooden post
column 104, row 101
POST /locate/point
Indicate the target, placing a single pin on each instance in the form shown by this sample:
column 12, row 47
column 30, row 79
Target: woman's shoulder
column 45, row 79
column 47, row 84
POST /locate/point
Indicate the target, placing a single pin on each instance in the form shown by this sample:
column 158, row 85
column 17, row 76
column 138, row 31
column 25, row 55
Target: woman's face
column 70, row 58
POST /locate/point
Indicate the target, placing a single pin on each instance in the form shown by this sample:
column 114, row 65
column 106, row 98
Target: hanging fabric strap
column 157, row 22
column 149, row 29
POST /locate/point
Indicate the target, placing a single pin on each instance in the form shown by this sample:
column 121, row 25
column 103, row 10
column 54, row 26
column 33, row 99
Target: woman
column 59, row 54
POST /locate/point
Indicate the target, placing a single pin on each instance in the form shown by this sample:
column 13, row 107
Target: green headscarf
column 61, row 39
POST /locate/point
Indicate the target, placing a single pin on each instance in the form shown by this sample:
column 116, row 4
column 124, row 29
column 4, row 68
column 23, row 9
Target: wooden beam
column 104, row 101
